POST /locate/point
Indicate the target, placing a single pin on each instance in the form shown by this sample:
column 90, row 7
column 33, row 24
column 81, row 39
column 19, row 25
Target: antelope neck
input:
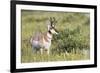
column 49, row 32
column 49, row 35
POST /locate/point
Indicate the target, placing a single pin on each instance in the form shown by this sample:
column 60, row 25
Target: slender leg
column 33, row 50
column 41, row 51
column 48, row 54
column 48, row 51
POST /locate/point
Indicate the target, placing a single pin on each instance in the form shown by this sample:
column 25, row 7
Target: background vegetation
column 72, row 42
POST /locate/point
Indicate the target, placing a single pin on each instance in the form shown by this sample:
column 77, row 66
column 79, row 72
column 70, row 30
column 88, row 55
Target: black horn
column 51, row 20
column 54, row 19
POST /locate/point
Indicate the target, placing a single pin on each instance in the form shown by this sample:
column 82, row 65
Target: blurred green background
column 72, row 42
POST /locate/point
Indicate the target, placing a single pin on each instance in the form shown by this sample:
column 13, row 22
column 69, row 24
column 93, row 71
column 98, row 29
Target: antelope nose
column 57, row 33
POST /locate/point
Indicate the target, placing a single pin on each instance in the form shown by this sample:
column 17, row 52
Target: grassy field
column 72, row 43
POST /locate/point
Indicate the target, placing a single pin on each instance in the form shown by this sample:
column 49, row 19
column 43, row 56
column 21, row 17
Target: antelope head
column 51, row 25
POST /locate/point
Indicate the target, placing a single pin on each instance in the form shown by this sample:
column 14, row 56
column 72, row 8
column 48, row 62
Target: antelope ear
column 55, row 23
column 54, row 19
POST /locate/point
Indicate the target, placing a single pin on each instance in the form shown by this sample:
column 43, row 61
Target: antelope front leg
column 48, row 52
column 41, row 50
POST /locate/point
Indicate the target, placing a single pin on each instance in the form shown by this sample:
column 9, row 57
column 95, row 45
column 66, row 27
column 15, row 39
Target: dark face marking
column 52, row 28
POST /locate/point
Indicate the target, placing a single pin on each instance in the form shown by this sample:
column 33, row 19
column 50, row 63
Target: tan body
column 42, row 41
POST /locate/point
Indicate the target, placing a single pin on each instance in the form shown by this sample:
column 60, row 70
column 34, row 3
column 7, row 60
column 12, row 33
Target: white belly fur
column 46, row 44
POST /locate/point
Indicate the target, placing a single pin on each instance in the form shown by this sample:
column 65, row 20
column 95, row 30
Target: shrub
column 67, row 40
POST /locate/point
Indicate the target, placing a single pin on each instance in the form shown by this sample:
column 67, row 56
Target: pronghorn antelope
column 42, row 41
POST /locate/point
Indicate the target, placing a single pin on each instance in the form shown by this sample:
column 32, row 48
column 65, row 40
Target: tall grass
column 72, row 42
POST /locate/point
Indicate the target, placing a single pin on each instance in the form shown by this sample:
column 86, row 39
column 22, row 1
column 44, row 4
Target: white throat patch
column 49, row 35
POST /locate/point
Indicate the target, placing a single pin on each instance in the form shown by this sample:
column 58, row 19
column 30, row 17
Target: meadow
column 72, row 42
